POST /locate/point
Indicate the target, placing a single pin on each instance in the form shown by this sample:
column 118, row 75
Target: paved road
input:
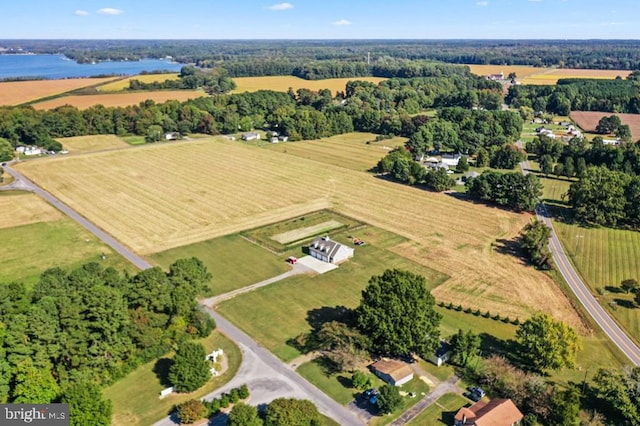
column 25, row 184
column 266, row 376
column 448, row 386
column 580, row 289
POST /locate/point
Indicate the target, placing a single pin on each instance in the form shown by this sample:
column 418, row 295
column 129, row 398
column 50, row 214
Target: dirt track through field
column 157, row 197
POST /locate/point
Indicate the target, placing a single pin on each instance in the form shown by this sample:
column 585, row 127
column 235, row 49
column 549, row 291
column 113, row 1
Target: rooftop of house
column 497, row 412
column 392, row 367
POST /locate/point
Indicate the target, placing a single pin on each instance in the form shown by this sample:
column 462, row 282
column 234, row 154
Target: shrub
column 450, row 305
column 233, row 396
column 224, row 400
column 468, row 310
column 487, row 314
column 360, row 380
column 496, row 317
column 516, row 321
column 191, row 411
column 506, row 320
column 459, row 308
column 476, row 312
column 213, row 407
column 243, row 391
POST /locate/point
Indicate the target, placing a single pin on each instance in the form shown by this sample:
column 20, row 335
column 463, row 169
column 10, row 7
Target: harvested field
column 82, row 144
column 521, row 71
column 25, row 208
column 539, row 75
column 588, row 120
column 309, row 231
column 283, row 83
column 217, row 187
column 120, row 99
column 123, row 84
column 350, row 151
column 19, row 92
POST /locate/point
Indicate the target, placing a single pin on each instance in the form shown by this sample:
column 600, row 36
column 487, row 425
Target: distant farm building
column 327, row 250
column 611, row 142
column 32, row 151
column 451, row 160
column 499, row 76
column 441, row 355
column 392, row 371
column 171, row 136
column 282, row 138
column 250, row 136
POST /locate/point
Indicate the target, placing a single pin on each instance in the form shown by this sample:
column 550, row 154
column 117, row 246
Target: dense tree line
column 213, row 83
column 401, row 166
column 578, row 95
column 81, row 329
column 594, row 54
column 513, row 190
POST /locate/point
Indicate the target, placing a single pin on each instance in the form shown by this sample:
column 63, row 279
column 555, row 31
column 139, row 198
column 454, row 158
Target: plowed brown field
column 588, row 120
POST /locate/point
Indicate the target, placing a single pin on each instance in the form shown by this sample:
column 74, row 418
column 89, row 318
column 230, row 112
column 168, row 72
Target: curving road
column 580, row 289
column 266, row 375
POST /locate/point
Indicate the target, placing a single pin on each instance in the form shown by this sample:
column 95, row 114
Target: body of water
column 58, row 66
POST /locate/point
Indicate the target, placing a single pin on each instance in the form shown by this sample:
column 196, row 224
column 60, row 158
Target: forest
column 591, row 54
column 77, row 330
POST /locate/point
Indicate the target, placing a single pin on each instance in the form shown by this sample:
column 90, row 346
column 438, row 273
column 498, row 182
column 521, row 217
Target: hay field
column 283, row 83
column 25, row 208
column 547, row 76
column 350, row 151
column 91, row 143
column 123, row 84
column 19, row 92
column 156, row 197
column 588, row 120
column 120, row 99
column 521, row 71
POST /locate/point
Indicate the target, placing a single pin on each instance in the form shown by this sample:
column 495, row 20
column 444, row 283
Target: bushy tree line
column 513, row 190
column 190, row 78
column 578, row 95
column 606, row 197
column 617, row 391
column 90, row 326
column 534, row 241
column 400, row 165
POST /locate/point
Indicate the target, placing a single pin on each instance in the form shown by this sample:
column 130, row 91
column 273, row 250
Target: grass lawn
column 134, row 140
column 417, row 386
column 442, row 411
column 91, row 143
column 279, row 312
column 29, row 250
column 336, row 385
column 135, row 398
column 268, row 236
column 233, row 261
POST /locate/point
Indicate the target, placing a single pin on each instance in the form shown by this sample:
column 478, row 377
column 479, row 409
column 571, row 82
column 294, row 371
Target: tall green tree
column 291, row 412
column 546, row 344
column 34, row 384
column 6, row 150
column 629, row 285
column 566, row 407
column 87, row 406
column 244, row 415
column 389, row 399
column 397, row 313
column 618, row 390
column 464, row 346
column 190, row 369
column 534, row 241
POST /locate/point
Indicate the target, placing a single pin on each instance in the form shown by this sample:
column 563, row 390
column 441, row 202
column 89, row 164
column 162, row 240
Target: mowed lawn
column 442, row 411
column 283, row 83
column 278, row 312
column 119, row 99
column 354, row 151
column 92, row 143
column 233, row 261
column 136, row 397
column 35, row 237
column 123, row 84
column 19, row 92
column 157, row 197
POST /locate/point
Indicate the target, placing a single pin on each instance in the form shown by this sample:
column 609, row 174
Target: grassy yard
column 134, row 140
column 336, row 385
column 280, row 312
column 442, row 411
column 233, row 261
column 416, row 386
column 29, row 250
column 92, row 143
column 135, row 398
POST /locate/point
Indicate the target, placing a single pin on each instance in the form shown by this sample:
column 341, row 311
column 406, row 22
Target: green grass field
column 336, row 385
column 29, row 250
column 277, row 313
column 134, row 140
column 416, row 386
column 233, row 261
column 135, row 398
column 442, row 411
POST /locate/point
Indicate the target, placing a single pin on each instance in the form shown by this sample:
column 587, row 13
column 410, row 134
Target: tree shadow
column 492, row 345
column 345, row 381
column 327, row 366
column 510, row 248
column 161, row 370
column 629, row 304
column 320, row 316
column 613, row 289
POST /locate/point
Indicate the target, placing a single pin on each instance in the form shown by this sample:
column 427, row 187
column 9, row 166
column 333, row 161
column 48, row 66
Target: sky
column 320, row 19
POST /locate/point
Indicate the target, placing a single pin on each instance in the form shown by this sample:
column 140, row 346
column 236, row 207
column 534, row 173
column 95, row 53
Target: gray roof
column 326, row 246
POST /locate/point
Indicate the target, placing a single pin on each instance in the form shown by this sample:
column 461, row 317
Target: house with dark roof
column 392, row 371
column 327, row 250
column 497, row 412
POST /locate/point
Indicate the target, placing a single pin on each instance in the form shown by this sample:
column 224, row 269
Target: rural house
column 326, row 250
column 498, row 412
column 171, row 136
column 451, row 160
column 392, row 371
column 250, row 136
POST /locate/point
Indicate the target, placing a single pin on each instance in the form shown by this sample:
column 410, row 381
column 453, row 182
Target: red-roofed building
column 497, row 412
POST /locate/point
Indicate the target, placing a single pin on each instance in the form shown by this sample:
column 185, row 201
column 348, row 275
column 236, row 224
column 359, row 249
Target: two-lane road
column 580, row 289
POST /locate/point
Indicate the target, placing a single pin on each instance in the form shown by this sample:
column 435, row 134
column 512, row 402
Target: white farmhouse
column 326, row 250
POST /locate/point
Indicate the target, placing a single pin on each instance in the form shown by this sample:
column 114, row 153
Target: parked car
column 473, row 396
column 475, row 389
column 292, row 260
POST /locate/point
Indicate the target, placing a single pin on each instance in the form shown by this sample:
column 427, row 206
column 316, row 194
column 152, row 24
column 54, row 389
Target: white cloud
column 109, row 11
column 482, row 3
column 81, row 13
column 342, row 23
column 281, row 6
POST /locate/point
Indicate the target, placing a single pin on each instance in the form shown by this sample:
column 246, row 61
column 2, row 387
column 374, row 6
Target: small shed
column 250, row 136
column 392, row 371
column 441, row 355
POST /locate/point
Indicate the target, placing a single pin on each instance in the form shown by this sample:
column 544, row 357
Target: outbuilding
column 392, row 371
